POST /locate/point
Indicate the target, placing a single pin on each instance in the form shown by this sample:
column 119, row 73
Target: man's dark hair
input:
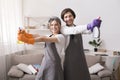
column 67, row 10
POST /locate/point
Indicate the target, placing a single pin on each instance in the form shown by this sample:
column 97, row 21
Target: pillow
column 104, row 73
column 24, row 68
column 92, row 60
column 95, row 68
column 32, row 69
column 110, row 61
column 15, row 72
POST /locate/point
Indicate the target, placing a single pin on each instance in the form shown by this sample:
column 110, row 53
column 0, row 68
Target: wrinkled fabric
column 75, row 65
column 51, row 68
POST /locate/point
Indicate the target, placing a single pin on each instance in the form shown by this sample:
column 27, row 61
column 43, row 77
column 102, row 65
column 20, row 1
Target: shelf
column 36, row 22
column 39, row 29
column 36, row 25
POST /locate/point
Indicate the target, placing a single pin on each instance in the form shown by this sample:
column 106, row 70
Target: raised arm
column 46, row 39
column 34, row 39
column 81, row 28
column 73, row 30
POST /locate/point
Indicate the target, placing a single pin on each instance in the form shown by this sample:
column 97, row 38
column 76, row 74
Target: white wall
column 86, row 11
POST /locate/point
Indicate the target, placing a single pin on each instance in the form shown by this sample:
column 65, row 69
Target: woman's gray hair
column 54, row 18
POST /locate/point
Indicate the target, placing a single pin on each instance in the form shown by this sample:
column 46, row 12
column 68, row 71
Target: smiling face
column 68, row 18
column 54, row 27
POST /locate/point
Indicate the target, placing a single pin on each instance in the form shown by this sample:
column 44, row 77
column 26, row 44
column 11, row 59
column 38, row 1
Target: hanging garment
column 75, row 66
column 51, row 68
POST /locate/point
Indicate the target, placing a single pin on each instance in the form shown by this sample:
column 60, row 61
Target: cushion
column 28, row 77
column 95, row 68
column 111, row 63
column 94, row 77
column 32, row 69
column 104, row 73
column 15, row 72
column 91, row 59
column 24, row 68
column 27, row 58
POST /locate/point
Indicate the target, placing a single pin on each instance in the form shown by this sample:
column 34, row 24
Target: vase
column 95, row 49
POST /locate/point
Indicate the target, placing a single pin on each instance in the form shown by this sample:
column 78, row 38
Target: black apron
column 51, row 68
column 75, row 65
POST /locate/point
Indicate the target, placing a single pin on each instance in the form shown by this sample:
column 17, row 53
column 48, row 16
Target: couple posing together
column 67, row 40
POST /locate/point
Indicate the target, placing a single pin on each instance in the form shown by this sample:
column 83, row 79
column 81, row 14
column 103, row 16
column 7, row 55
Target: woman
column 75, row 66
column 51, row 68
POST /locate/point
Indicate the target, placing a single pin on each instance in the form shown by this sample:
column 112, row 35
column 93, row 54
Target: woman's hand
column 22, row 31
column 23, row 38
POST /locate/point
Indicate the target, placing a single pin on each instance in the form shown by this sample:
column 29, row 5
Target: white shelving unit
column 36, row 22
column 39, row 31
column 36, row 25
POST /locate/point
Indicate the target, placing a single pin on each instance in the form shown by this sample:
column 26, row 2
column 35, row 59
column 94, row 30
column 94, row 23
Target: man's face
column 68, row 19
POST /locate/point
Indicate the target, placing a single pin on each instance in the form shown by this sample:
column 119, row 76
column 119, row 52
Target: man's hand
column 95, row 23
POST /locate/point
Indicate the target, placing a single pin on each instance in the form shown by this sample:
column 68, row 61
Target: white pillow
column 95, row 68
column 32, row 69
column 24, row 68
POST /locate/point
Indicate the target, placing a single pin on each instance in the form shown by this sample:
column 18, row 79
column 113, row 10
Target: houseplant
column 95, row 43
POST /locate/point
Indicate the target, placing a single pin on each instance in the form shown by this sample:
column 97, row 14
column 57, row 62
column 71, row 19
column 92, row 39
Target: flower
column 95, row 42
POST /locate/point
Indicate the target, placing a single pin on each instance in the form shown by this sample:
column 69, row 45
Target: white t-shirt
column 74, row 29
column 80, row 29
column 60, row 45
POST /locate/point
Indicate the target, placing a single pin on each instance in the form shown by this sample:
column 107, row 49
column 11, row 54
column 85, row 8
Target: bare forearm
column 35, row 35
column 45, row 39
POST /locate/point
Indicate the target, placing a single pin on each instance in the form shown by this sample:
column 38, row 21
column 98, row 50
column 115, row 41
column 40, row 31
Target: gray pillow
column 15, row 72
column 104, row 73
column 92, row 60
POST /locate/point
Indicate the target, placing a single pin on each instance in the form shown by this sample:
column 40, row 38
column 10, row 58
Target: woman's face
column 54, row 27
column 69, row 19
